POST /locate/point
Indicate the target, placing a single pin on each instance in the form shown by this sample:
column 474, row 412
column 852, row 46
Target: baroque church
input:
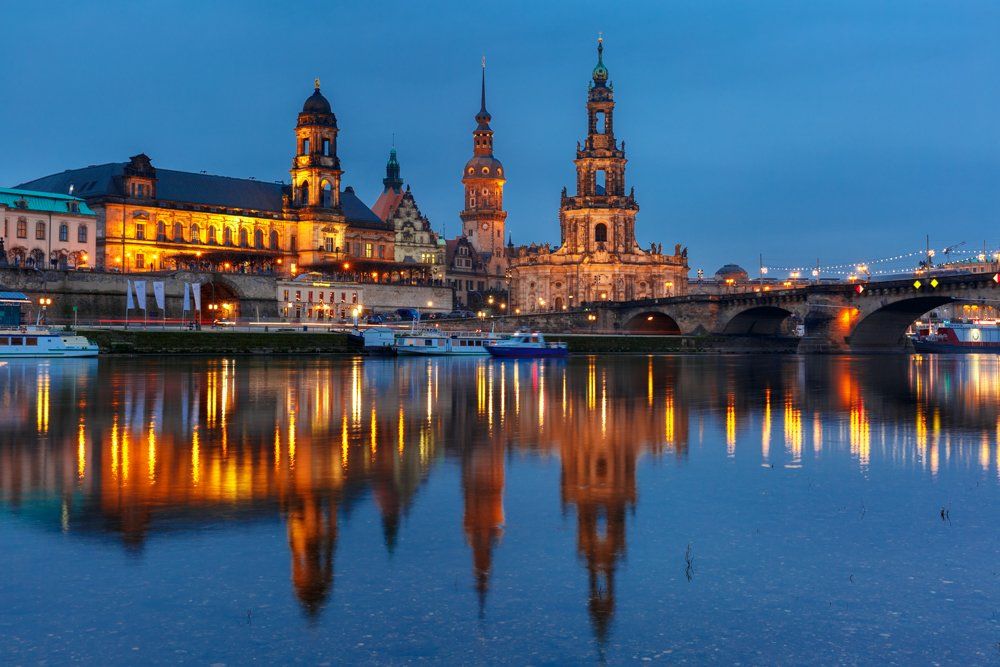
column 598, row 258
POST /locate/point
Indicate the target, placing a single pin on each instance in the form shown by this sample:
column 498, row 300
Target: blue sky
column 837, row 131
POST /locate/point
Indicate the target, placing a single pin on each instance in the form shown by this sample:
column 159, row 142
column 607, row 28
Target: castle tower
column 392, row 181
column 483, row 216
column 482, row 489
column 601, row 217
column 316, row 168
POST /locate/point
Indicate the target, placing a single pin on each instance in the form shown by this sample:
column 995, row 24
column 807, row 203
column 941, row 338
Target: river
column 736, row 509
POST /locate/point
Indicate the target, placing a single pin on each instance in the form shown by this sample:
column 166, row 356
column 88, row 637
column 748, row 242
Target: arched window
column 227, row 236
column 274, row 239
column 161, row 231
column 178, row 231
column 37, row 257
column 304, row 193
column 195, row 233
column 213, row 235
column 64, row 232
column 81, row 234
column 243, row 237
column 258, row 238
column 327, row 201
column 305, row 147
column 601, row 233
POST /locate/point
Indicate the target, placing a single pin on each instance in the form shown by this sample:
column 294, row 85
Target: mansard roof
column 107, row 180
column 43, row 201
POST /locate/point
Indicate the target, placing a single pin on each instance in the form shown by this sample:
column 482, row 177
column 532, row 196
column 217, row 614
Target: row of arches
column 19, row 256
column 260, row 239
column 884, row 328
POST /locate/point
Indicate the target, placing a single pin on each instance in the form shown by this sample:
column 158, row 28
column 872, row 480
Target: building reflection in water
column 126, row 448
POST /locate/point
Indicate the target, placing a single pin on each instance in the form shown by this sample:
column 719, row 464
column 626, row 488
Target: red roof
column 387, row 204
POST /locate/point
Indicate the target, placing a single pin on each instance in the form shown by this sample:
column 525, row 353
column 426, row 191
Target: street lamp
column 44, row 302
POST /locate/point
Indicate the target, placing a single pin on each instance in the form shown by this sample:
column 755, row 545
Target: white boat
column 425, row 343
column 524, row 345
column 40, row 341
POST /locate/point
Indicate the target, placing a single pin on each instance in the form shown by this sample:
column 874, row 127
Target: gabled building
column 466, row 272
column 415, row 243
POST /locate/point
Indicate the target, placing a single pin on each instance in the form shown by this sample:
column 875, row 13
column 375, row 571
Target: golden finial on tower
column 316, row 83
column 600, row 36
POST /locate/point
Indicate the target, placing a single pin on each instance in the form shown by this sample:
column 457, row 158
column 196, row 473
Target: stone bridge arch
column 763, row 320
column 883, row 328
column 652, row 322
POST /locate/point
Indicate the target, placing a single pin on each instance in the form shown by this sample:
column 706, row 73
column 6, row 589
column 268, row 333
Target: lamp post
column 44, row 302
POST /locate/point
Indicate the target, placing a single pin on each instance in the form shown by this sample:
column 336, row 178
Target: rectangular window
column 64, row 232
column 140, row 230
column 368, row 250
column 4, row 340
column 381, row 251
column 22, row 229
column 16, row 340
column 480, row 286
column 286, row 295
column 31, row 340
column 81, row 234
column 354, row 297
column 140, row 261
column 40, row 230
column 326, row 147
column 310, row 295
column 343, row 297
column 329, row 244
column 298, row 295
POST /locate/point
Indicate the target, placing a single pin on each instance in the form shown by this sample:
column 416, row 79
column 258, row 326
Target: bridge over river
column 858, row 317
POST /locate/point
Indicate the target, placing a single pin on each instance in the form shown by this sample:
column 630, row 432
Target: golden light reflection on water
column 202, row 438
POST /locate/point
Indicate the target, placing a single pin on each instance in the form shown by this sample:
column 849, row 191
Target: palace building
column 152, row 219
column 415, row 241
column 599, row 258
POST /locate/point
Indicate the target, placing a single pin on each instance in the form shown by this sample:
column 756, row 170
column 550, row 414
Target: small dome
column 483, row 166
column 734, row 271
column 316, row 104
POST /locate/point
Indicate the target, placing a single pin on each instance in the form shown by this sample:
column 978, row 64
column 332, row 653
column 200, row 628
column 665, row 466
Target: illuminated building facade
column 476, row 261
column 415, row 242
column 598, row 258
column 309, row 298
column 151, row 219
column 46, row 230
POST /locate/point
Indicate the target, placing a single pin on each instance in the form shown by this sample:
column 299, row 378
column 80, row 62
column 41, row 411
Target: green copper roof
column 600, row 72
column 42, row 201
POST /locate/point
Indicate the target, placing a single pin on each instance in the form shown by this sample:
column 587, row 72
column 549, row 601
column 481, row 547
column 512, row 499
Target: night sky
column 801, row 130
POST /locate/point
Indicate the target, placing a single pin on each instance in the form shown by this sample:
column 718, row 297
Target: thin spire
column 483, row 104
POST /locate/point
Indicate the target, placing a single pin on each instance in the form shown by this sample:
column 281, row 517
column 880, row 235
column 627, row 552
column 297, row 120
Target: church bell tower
column 316, row 168
column 483, row 216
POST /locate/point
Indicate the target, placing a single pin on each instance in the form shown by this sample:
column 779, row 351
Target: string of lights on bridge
column 864, row 267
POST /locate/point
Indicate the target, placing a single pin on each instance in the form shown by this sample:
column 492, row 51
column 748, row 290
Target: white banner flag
column 196, row 293
column 187, row 297
column 129, row 302
column 161, row 299
column 140, row 294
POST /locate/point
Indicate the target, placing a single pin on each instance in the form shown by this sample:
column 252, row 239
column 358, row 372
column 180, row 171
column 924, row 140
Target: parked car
column 375, row 318
column 461, row 314
column 408, row 314
column 223, row 322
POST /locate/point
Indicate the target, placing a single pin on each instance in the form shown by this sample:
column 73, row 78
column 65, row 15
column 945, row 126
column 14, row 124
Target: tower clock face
column 485, row 226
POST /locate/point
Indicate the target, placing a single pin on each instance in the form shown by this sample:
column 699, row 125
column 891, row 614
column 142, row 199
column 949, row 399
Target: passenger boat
column 375, row 340
column 960, row 337
column 40, row 341
column 527, row 345
column 426, row 343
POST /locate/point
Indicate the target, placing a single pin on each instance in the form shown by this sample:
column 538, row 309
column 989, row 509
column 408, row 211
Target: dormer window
column 73, row 207
column 21, row 203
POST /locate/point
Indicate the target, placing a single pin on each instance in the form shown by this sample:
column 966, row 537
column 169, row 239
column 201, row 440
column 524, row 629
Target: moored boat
column 526, row 346
column 959, row 337
column 433, row 343
column 40, row 341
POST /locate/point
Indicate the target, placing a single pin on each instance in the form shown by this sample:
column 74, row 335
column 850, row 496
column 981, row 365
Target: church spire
column 600, row 71
column 392, row 181
column 483, row 118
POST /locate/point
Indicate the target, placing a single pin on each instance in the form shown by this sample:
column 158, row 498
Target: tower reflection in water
column 127, row 448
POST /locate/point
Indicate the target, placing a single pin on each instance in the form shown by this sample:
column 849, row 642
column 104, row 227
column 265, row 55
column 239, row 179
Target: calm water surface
column 747, row 509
